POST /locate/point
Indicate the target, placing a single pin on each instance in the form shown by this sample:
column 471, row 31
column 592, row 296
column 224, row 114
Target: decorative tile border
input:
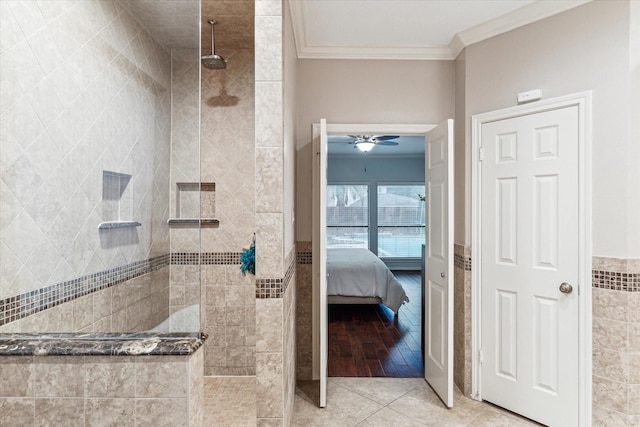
column 275, row 288
column 28, row 303
column 462, row 261
column 627, row 282
column 205, row 258
column 304, row 257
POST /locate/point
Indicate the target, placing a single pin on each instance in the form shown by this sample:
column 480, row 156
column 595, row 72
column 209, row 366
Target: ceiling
column 408, row 146
column 180, row 24
column 408, row 29
column 347, row 29
column 171, row 23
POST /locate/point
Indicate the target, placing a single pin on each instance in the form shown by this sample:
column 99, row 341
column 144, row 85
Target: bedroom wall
column 392, row 170
column 383, row 170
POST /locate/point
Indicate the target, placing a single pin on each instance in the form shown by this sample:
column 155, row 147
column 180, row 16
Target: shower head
column 213, row 61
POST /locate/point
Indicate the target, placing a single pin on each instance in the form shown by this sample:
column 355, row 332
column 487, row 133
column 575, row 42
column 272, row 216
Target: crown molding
column 388, row 52
column 518, row 18
column 526, row 15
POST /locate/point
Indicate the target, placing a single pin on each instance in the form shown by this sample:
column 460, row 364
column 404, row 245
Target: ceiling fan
column 364, row 143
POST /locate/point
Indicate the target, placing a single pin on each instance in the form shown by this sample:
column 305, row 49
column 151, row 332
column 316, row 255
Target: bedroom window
column 401, row 221
column 348, row 216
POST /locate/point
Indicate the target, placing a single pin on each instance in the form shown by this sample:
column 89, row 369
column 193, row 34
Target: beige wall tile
column 608, row 304
column 110, row 377
column 269, row 385
column 59, row 412
column 269, row 114
column 214, row 316
column 72, row 96
column 269, row 247
column 269, row 325
column 610, row 334
column 610, row 394
column 609, row 264
column 16, row 376
column 603, row 416
column 611, row 364
column 59, row 376
column 634, row 368
column 634, row 399
column 634, row 337
column 269, row 180
column 20, row 411
column 268, row 48
column 633, row 306
column 269, row 7
column 161, row 376
column 270, row 422
column 196, row 387
column 161, row 412
column 109, row 412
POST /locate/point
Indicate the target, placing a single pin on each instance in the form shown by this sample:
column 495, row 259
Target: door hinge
column 480, row 356
column 481, row 153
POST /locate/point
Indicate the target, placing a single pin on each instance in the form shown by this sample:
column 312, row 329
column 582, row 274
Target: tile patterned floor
column 372, row 402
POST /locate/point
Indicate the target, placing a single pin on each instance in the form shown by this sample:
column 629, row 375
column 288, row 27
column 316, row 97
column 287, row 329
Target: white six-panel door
column 530, row 248
column 438, row 355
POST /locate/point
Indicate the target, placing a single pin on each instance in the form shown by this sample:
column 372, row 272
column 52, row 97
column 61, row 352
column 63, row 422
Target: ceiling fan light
column 365, row 146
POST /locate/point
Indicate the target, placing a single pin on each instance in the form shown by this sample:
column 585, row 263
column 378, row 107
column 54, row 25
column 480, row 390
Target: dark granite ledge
column 101, row 344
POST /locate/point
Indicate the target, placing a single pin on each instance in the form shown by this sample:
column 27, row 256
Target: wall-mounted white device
column 531, row 95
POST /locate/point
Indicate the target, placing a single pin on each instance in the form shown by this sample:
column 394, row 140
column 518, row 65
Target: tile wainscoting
column 462, row 318
column 304, row 362
column 616, row 341
column 616, row 331
column 89, row 389
column 276, row 346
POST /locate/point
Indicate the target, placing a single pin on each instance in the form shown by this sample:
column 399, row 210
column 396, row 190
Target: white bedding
column 359, row 272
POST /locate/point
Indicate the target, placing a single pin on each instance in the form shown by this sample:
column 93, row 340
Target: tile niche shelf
column 195, row 205
column 117, row 201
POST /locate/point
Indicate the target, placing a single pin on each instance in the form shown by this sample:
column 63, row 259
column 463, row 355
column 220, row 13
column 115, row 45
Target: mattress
column 358, row 272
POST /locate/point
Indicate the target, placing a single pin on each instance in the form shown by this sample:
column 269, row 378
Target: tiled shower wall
column 227, row 158
column 84, row 90
column 184, row 278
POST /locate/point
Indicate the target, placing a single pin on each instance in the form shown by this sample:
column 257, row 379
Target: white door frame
column 343, row 129
column 583, row 102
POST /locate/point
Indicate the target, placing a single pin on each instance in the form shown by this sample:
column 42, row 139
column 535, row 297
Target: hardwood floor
column 367, row 341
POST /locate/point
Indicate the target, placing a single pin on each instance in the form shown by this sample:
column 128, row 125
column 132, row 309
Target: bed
column 358, row 276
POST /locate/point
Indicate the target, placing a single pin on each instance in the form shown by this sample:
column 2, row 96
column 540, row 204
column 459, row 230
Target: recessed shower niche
column 195, row 204
column 117, row 201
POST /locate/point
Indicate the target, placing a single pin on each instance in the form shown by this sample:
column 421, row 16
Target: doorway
column 531, row 290
column 439, row 344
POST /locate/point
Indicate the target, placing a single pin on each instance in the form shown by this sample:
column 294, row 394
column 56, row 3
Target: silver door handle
column 443, row 275
column 566, row 288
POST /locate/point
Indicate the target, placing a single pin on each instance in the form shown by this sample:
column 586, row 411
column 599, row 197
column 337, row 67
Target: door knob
column 566, row 288
column 443, row 275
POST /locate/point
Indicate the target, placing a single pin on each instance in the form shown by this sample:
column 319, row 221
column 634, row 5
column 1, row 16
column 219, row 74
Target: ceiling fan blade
column 339, row 139
column 385, row 137
column 389, row 143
